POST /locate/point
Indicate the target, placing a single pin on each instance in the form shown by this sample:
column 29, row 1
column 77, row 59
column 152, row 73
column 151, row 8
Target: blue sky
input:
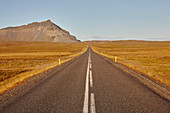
column 94, row 19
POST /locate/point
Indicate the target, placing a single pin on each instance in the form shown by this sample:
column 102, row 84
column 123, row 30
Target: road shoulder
column 32, row 82
column 154, row 86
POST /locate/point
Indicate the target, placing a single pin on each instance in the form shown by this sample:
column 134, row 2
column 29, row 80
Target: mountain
column 36, row 31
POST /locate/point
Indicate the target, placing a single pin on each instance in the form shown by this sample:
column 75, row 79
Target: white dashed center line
column 86, row 96
column 91, row 79
column 92, row 107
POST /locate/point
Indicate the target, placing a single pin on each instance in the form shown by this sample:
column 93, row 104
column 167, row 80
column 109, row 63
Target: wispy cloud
column 158, row 39
column 107, row 37
column 112, row 38
column 84, row 38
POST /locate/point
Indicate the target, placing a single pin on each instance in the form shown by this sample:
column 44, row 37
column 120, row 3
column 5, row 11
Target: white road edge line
column 92, row 107
column 91, row 79
column 86, row 96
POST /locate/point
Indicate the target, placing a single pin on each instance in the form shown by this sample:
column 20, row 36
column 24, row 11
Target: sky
column 94, row 19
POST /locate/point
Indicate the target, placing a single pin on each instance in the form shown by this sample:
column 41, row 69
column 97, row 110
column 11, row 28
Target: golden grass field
column 147, row 57
column 20, row 60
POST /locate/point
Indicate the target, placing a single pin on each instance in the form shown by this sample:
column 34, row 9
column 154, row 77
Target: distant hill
column 36, row 31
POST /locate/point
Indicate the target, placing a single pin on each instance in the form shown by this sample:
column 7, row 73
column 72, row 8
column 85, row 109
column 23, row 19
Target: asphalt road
column 89, row 84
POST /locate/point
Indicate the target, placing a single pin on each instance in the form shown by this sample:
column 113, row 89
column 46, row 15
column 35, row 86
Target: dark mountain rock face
column 36, row 31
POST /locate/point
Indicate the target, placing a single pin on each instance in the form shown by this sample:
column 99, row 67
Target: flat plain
column 20, row 60
column 151, row 58
column 88, row 83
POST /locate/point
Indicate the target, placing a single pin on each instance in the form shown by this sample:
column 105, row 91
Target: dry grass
column 150, row 58
column 20, row 60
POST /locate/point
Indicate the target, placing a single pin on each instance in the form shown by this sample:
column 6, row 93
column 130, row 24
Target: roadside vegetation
column 20, row 60
column 147, row 57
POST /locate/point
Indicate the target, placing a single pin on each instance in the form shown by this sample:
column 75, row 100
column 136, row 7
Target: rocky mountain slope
column 36, row 31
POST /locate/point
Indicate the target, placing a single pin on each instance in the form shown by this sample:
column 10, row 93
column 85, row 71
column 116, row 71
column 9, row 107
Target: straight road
column 89, row 85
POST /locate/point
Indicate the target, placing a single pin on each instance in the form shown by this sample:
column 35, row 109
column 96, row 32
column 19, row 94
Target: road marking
column 86, row 96
column 91, row 79
column 92, row 107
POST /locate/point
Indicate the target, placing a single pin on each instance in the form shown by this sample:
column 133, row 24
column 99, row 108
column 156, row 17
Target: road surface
column 89, row 85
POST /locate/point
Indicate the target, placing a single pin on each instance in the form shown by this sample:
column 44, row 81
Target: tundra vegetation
column 151, row 58
column 20, row 60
